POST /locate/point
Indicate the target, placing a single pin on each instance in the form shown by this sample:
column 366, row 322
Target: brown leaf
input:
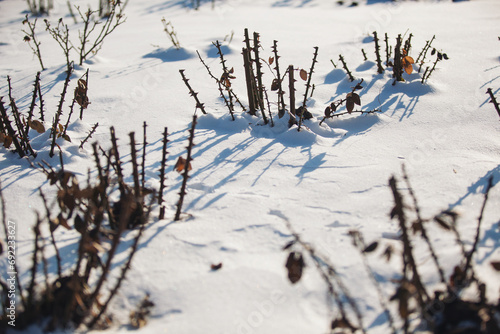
column 371, row 247
column 66, row 137
column 496, row 265
column 275, row 85
column 180, row 165
column 79, row 224
column 7, row 141
column 295, row 264
column 342, row 323
column 271, row 60
column 215, row 267
column 407, row 62
column 355, row 98
column 63, row 222
column 303, row 74
column 36, row 125
column 349, row 104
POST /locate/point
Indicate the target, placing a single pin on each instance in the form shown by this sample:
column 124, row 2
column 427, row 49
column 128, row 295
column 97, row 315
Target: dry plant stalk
column 184, row 167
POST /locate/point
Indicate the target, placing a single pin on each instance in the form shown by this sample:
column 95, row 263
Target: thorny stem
column 328, row 273
column 281, row 100
column 163, row 166
column 59, row 112
column 135, row 172
column 423, row 229
column 219, row 85
column 468, row 262
column 185, row 175
column 380, row 69
column 493, row 100
column 192, row 93
column 32, row 36
column 351, row 78
column 143, row 164
column 422, row 295
column 92, row 131
column 33, row 102
column 423, row 53
column 52, row 238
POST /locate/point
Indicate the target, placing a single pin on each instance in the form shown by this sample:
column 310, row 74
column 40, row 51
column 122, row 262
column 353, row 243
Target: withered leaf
column 407, row 62
column 371, row 247
column 36, row 125
column 271, row 60
column 445, row 56
column 53, row 225
column 303, row 74
column 354, row 97
column 275, row 85
column 66, row 137
column 63, row 221
column 328, row 112
column 342, row 323
column 215, row 267
column 79, row 224
column 496, row 265
column 295, row 264
column 433, row 52
column 281, row 113
column 6, row 140
column 180, row 165
column 349, row 104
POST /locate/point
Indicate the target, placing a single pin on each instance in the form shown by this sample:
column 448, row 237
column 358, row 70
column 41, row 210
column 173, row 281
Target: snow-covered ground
column 249, row 179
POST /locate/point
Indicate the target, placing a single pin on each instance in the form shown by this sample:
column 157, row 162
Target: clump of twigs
column 337, row 291
column 169, row 29
column 439, row 56
column 92, row 38
column 445, row 310
column 493, row 100
column 224, row 82
column 80, row 295
column 31, row 39
column 351, row 100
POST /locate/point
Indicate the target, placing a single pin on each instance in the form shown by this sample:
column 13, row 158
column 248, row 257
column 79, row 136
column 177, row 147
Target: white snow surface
column 248, row 179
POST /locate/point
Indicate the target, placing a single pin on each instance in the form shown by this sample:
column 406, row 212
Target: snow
column 248, row 179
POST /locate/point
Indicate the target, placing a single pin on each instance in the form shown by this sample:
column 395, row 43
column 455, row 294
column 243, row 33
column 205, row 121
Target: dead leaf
column 275, row 85
column 355, row 98
column 215, row 267
column 407, row 62
column 7, row 141
column 349, row 104
column 496, row 265
column 371, row 247
column 180, row 165
column 303, row 74
column 271, row 60
column 36, row 125
column 295, row 264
